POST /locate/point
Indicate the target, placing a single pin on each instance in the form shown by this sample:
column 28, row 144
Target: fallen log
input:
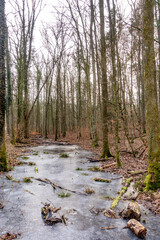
column 47, row 181
column 108, row 165
column 123, row 190
column 98, row 160
column 132, row 173
column 137, row 228
column 132, row 211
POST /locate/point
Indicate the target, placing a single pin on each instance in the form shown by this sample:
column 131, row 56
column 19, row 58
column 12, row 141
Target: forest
column 80, row 81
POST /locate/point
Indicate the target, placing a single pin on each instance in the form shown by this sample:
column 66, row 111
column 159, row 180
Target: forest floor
column 135, row 167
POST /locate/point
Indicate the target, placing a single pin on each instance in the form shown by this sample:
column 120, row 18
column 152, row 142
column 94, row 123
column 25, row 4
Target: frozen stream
column 22, row 211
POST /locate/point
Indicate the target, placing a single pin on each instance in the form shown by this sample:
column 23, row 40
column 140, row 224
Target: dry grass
column 89, row 190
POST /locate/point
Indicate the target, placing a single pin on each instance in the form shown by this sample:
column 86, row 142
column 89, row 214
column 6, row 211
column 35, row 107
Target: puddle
column 22, row 211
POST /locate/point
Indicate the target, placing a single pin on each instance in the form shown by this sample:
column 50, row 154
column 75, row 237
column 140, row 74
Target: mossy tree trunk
column 152, row 115
column 106, row 152
column 112, row 23
column 3, row 160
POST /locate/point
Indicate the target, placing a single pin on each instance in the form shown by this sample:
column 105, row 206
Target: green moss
column 101, row 180
column 148, row 182
column 118, row 198
column 10, row 168
column 140, row 189
column 137, row 184
column 3, row 159
column 36, row 169
column 105, row 156
column 95, row 144
column 31, row 164
column 106, row 152
column 129, row 180
column 25, row 157
column 106, row 198
column 27, row 180
column 119, row 164
column 64, row 195
column 64, row 155
column 21, row 163
column 79, row 169
column 115, row 202
column 95, row 169
column 11, row 178
column 36, row 153
column 154, row 170
column 123, row 190
column 85, row 174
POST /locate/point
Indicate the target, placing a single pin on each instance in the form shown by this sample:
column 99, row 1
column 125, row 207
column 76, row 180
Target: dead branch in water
column 47, row 181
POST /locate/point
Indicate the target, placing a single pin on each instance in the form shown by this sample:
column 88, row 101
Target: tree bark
column 3, row 159
column 106, row 152
column 152, row 114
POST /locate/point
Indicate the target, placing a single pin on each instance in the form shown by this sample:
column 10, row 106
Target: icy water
column 22, row 210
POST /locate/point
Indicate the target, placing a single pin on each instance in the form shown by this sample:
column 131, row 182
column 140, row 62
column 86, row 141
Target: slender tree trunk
column 46, row 110
column 64, row 106
column 94, row 130
column 19, row 98
column 9, row 103
column 112, row 21
column 73, row 105
column 3, row 160
column 143, row 94
column 106, row 152
column 79, row 100
column 38, row 79
column 57, row 104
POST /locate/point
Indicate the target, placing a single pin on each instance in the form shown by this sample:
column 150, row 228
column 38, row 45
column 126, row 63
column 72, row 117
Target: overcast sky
column 47, row 15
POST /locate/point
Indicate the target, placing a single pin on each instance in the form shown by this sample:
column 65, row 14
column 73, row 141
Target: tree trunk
column 9, row 104
column 106, row 152
column 79, row 100
column 38, row 79
column 112, row 22
column 94, row 130
column 152, row 114
column 3, row 160
column 57, row 104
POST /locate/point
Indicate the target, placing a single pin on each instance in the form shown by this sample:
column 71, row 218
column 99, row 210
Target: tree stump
column 132, row 211
column 137, row 228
